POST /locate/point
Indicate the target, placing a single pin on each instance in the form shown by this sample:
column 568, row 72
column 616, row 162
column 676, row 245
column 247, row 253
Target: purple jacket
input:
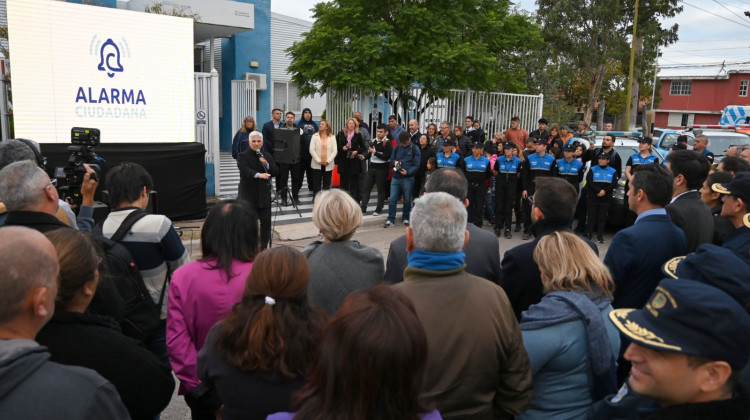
column 198, row 298
column 432, row 415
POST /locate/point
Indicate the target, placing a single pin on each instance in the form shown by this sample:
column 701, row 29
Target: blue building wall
column 236, row 54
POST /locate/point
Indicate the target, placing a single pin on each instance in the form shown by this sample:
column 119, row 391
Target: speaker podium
column 286, row 145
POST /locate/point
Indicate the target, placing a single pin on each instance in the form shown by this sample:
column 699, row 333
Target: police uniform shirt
column 448, row 162
column 508, row 169
column 570, row 171
column 636, row 159
column 477, row 170
column 601, row 179
column 537, row 166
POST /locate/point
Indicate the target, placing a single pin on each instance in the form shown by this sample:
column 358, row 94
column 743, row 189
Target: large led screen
column 129, row 74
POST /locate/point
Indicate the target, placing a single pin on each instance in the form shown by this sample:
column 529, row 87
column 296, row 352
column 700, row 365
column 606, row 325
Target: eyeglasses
column 531, row 200
column 52, row 182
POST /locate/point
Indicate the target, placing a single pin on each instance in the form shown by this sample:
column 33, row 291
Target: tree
column 650, row 37
column 594, row 33
column 586, row 31
column 437, row 45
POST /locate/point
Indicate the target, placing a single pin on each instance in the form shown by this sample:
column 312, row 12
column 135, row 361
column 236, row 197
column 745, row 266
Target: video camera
column 70, row 177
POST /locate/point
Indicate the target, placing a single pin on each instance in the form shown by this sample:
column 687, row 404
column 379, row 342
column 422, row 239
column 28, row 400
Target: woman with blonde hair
column 323, row 151
column 241, row 140
column 572, row 347
column 350, row 144
column 339, row 265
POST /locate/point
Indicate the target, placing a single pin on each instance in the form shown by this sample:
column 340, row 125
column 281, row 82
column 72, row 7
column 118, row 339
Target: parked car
column 665, row 138
column 721, row 140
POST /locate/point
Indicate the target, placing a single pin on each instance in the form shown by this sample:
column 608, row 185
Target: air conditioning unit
column 260, row 80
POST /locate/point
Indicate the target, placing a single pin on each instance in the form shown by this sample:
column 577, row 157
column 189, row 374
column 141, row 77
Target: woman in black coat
column 77, row 337
column 350, row 144
column 256, row 169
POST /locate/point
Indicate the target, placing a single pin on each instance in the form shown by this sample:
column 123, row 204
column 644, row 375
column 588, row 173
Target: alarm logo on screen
column 109, row 58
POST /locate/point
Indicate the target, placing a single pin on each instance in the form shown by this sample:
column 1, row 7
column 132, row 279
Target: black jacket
column 342, row 158
column 694, row 217
column 81, row 339
column 520, row 276
column 722, row 225
column 42, row 222
column 256, row 191
column 268, row 131
column 482, row 256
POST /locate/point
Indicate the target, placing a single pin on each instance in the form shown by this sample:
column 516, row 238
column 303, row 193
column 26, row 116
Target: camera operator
column 17, row 150
column 256, row 169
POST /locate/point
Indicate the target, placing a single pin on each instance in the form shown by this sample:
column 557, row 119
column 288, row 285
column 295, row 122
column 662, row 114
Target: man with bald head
column 28, row 288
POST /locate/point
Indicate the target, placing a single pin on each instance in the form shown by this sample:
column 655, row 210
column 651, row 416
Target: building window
column 678, row 119
column 743, row 87
column 681, row 87
column 285, row 97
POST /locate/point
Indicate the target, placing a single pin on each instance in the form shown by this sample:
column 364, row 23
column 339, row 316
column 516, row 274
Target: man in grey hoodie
column 32, row 387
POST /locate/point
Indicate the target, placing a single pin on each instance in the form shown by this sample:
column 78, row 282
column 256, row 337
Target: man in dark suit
column 482, row 250
column 686, row 209
column 268, row 130
column 552, row 209
column 637, row 253
column 256, row 169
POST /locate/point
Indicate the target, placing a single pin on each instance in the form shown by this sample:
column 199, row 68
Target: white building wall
column 285, row 30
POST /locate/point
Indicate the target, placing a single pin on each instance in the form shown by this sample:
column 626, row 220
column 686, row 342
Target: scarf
column 438, row 261
column 564, row 306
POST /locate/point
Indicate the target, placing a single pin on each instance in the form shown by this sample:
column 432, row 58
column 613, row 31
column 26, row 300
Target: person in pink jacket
column 204, row 291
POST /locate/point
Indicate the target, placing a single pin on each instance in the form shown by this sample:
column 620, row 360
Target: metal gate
column 207, row 124
column 493, row 109
column 244, row 99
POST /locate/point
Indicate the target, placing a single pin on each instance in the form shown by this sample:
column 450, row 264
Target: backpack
column 140, row 315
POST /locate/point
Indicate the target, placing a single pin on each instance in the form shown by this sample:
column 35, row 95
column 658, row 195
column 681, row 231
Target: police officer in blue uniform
column 644, row 157
column 478, row 170
column 507, row 171
column 449, row 158
column 538, row 164
column 569, row 168
column 600, row 181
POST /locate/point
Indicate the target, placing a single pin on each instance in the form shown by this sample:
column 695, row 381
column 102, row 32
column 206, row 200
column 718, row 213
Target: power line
column 706, row 49
column 720, row 16
column 730, row 11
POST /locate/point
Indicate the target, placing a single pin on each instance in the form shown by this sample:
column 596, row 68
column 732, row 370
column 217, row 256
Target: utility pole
column 630, row 71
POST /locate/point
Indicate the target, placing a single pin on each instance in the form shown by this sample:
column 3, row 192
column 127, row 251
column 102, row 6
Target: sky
column 710, row 32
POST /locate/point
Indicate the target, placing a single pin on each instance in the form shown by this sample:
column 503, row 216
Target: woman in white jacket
column 323, row 150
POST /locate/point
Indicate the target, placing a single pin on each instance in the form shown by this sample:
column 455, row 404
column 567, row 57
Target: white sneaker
column 406, row 223
column 375, row 213
column 388, row 224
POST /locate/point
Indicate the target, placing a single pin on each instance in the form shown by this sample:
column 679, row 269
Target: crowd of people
column 443, row 327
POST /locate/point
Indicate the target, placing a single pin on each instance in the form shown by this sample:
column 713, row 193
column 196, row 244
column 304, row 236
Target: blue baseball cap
column 718, row 266
column 692, row 318
column 570, row 147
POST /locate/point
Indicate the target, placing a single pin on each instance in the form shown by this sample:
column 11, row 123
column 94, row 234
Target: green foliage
column 590, row 43
column 436, row 44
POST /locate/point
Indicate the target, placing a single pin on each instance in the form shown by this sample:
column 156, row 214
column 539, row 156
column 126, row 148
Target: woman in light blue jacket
column 572, row 345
